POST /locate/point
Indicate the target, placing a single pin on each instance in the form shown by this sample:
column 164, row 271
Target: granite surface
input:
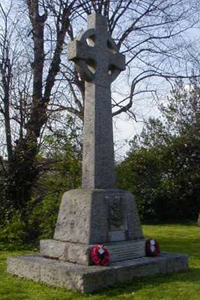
column 97, row 216
column 89, row 279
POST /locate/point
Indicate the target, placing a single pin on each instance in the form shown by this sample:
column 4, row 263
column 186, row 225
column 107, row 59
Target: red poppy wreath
column 152, row 248
column 100, row 255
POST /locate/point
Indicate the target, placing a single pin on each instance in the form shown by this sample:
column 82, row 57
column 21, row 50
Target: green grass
column 181, row 286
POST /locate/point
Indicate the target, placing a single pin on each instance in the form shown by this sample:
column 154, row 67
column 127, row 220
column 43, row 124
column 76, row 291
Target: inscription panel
column 126, row 250
column 117, row 235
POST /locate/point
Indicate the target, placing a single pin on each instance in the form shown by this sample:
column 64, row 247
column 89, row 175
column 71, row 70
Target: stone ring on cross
column 96, row 55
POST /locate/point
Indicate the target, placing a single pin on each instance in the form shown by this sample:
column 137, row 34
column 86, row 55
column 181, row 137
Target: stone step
column 88, row 279
column 80, row 253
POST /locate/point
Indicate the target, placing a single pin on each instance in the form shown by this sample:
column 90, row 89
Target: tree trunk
column 23, row 169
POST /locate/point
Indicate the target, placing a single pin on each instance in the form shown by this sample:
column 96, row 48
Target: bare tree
column 152, row 35
column 149, row 32
column 6, row 77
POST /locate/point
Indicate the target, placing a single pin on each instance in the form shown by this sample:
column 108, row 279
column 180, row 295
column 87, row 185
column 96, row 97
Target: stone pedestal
column 89, row 217
column 97, row 216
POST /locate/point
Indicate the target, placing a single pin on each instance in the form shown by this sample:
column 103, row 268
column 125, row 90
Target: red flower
column 152, row 247
column 100, row 255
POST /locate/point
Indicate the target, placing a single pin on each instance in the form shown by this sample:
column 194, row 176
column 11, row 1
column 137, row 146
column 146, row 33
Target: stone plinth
column 89, row 217
column 88, row 279
column 97, row 216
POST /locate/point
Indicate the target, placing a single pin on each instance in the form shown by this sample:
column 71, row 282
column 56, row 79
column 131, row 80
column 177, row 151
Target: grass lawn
column 182, row 286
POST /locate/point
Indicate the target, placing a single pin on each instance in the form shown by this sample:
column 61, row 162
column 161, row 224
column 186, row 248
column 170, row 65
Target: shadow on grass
column 192, row 275
column 8, row 293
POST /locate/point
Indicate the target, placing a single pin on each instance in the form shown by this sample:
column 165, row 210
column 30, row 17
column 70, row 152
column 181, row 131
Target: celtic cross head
column 96, row 54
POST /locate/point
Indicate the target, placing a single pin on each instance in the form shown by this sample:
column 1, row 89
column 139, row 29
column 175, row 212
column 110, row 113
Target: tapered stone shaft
column 97, row 57
column 98, row 152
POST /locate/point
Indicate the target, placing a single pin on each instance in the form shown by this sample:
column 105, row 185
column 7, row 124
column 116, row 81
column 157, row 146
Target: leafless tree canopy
column 39, row 86
column 37, row 82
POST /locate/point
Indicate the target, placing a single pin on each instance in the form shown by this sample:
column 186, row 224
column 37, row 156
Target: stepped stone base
column 88, row 279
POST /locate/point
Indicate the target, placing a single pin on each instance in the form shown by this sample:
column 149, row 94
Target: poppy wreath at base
column 152, row 248
column 100, row 255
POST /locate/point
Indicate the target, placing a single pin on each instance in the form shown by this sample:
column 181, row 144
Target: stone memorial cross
column 98, row 213
column 96, row 55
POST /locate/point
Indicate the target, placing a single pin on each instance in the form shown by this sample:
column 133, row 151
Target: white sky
column 125, row 128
